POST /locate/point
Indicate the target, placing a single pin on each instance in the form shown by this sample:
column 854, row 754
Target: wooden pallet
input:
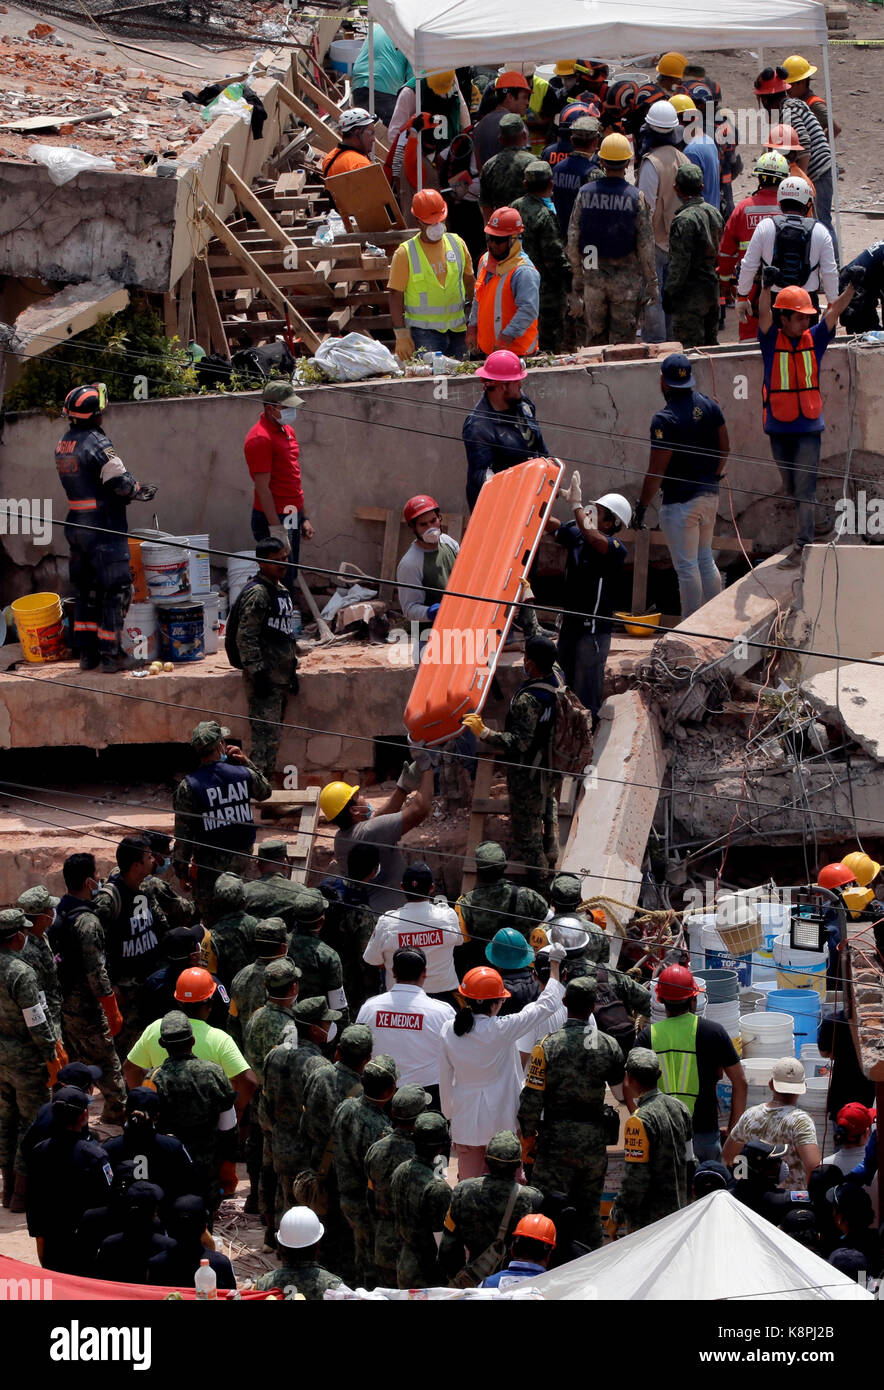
column 302, row 808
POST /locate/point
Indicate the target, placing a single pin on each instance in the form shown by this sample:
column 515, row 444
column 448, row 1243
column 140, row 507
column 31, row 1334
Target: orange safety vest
column 497, row 308
column 794, row 380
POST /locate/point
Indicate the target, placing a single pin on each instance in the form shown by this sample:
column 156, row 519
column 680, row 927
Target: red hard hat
column 429, row 206
column 504, row 222
column 536, row 1227
column 502, row 365
column 194, row 986
column 771, row 85
column 483, row 983
column 507, row 81
column 676, row 982
column 834, row 875
column 783, row 137
column 418, row 506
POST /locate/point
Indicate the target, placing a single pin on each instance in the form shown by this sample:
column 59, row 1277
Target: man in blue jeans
column 689, row 449
column 273, row 458
column 793, row 407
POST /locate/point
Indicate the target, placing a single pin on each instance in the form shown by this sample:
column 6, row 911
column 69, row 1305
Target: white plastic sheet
column 64, row 165
column 355, row 357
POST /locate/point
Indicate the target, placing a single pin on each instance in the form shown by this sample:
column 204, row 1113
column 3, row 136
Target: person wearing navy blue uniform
column 77, row 1074
column 134, row 926
column 866, row 273
column 162, row 1159
column 182, row 947
column 99, row 488
column 123, row 1256
column 689, row 449
column 68, row 1174
column 592, row 572
column 214, row 826
column 570, row 173
column 177, row 1267
column 502, row 428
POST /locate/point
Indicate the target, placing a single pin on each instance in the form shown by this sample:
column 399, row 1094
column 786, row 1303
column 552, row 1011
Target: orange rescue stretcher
column 468, row 635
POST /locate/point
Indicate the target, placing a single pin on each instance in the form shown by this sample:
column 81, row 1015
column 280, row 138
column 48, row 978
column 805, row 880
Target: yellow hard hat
column 857, row 899
column 615, row 149
column 566, row 67
column 672, row 65
column 682, row 102
column 798, row 68
column 863, row 867
column 334, row 797
column 441, row 82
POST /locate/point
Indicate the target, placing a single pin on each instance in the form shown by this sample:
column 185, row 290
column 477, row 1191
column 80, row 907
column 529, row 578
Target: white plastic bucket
column 166, row 569
column 140, row 638
column 767, row 1034
column 200, row 566
column 210, row 602
column 240, row 568
column 342, row 54
column 758, row 1070
column 799, row 969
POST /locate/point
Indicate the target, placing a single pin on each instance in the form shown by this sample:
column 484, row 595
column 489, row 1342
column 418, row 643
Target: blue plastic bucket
column 181, row 631
column 804, row 1006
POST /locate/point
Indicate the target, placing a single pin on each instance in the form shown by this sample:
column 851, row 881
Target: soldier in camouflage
column 30, row 1054
column 478, row 1204
column 287, row 1070
column 267, row 650
column 320, row 966
column 273, row 893
column 543, row 245
column 300, row 1232
column 247, row 993
column 213, row 814
column 526, row 742
column 349, row 924
column 324, row 1092
column 494, row 903
column 691, row 293
column 229, row 943
column 420, row 1197
column 90, row 1014
column 197, row 1105
column 565, row 1084
column 656, row 1143
column 270, row 1025
column 39, row 906
column 358, row 1122
column 502, row 176
column 565, row 896
column 381, row 1162
column 611, row 250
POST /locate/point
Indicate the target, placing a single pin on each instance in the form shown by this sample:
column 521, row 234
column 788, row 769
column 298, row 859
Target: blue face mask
column 288, row 415
column 548, row 202
column 369, row 812
column 162, row 866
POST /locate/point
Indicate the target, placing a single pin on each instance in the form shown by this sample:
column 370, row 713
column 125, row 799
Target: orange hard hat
column 194, row 986
column 783, row 137
column 676, row 982
column 833, row 875
column 598, row 916
column 536, row 1227
column 483, row 983
column 504, row 222
column 799, row 302
column 506, row 81
column 429, row 206
column 418, row 506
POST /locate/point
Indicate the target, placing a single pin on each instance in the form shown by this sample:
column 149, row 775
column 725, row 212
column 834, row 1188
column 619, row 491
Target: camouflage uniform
column 566, row 1081
column 503, row 178
column 357, row 1124
column 270, row 1025
column 27, row 1043
column 229, row 945
column 490, row 906
column 614, row 291
column 247, row 992
column 691, row 292
column 307, row 1277
column 177, row 910
column 381, row 1162
column 266, row 642
column 565, row 894
column 543, row 245
column 193, row 1095
column 39, row 956
column 655, row 1180
column 474, row 1216
column 287, row 1069
column 320, row 969
column 84, row 981
column 420, row 1200
column 274, row 895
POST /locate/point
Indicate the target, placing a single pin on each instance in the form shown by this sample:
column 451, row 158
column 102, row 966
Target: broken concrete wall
column 377, row 443
column 837, row 612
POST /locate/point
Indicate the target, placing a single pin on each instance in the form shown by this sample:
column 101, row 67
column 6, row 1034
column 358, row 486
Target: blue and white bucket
column 181, row 631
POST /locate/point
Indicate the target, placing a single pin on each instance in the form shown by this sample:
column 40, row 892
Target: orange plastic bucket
column 38, row 619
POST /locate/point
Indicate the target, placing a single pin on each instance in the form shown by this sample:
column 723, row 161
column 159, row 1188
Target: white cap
column 300, row 1228
column 788, row 1077
column 616, row 503
column 354, row 118
column 662, row 116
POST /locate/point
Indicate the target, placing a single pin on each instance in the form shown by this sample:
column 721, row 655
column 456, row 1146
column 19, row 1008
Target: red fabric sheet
column 31, row 1283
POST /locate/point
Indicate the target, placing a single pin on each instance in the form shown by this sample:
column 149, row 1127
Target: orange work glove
column 529, row 1144
column 228, row 1178
column 112, row 1013
column 60, row 1055
column 53, row 1068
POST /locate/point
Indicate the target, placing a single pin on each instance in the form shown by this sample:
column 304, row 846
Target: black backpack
column 791, row 255
column 231, row 631
column 610, row 1012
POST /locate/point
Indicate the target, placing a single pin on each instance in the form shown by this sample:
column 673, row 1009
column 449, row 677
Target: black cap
column 79, row 1075
column 70, row 1098
column 417, row 878
column 143, row 1193
column 181, row 942
column 190, row 1208
column 143, row 1098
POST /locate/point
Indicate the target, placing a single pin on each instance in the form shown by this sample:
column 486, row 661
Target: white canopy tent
column 714, row 1249
column 436, row 35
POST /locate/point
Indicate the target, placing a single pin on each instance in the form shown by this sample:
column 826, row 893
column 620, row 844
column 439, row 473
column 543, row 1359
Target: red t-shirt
column 273, row 449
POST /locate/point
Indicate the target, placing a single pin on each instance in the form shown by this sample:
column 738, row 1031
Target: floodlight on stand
column 807, row 929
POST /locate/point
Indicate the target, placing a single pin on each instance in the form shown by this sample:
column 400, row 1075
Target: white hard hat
column 616, row 503
column 300, row 1228
column 662, row 116
column 354, row 118
column 796, row 189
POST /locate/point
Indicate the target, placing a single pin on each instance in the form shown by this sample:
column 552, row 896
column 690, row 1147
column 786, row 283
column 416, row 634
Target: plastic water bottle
column 205, row 1282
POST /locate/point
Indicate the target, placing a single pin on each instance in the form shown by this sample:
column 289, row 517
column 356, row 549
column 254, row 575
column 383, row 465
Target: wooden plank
column 291, row 183
column 265, row 219
column 640, row 571
column 222, row 173
column 209, row 313
column 306, row 87
column 303, row 847
column 326, row 138
column 170, row 315
column 392, row 523
column 364, row 197
column 72, row 310
column 476, row 828
column 50, row 123
column 185, row 305
column 338, row 321
column 284, row 279
column 242, row 300
column 260, row 277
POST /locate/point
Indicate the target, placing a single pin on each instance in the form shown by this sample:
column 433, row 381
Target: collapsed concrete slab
column 835, row 616
column 852, row 698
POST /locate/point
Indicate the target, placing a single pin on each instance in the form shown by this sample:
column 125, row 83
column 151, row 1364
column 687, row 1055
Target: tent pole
column 420, row 144
column 836, row 200
column 371, row 65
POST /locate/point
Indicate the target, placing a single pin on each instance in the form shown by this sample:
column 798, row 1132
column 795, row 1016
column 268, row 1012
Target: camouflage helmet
column 503, row 1147
column 229, row 891
column 566, row 892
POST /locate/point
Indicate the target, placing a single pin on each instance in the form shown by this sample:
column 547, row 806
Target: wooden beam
column 209, row 313
column 222, row 172
column 330, row 107
column 265, row 219
column 476, row 828
column 185, row 305
column 260, row 277
column 325, row 136
column 640, row 571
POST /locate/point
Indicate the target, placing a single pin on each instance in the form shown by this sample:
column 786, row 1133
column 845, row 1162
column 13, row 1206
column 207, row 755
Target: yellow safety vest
column 539, row 88
column 428, row 303
column 675, row 1042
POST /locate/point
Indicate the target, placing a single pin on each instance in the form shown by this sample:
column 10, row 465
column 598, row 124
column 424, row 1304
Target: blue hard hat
column 677, row 370
column 508, row 950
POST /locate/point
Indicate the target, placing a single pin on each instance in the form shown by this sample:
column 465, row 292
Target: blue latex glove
column 431, row 612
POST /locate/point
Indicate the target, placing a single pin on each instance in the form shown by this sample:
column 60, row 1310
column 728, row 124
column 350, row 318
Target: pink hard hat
column 502, row 365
